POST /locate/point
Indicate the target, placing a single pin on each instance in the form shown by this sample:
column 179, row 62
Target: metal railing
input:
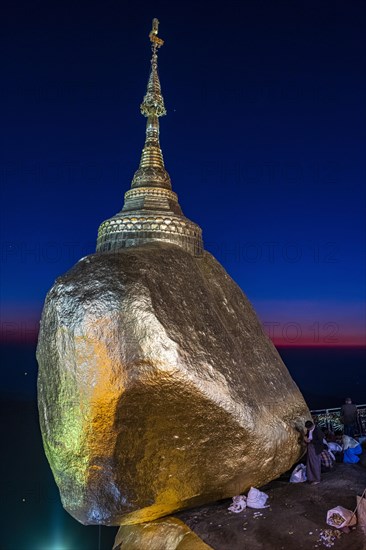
column 330, row 419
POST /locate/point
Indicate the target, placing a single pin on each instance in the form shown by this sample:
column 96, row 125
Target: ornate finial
column 153, row 103
column 157, row 42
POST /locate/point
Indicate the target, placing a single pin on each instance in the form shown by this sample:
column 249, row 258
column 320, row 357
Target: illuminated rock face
column 157, row 388
column 162, row 534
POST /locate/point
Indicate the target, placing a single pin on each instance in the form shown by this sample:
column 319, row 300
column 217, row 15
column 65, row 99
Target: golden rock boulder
column 157, row 388
column 160, row 534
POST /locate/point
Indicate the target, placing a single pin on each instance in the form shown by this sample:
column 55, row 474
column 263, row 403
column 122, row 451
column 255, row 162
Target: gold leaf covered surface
column 158, row 389
column 161, row 534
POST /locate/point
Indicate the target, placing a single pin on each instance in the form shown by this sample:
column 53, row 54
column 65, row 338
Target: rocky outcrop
column 157, row 388
column 161, row 534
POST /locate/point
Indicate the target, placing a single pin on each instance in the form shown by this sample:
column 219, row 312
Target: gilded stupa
column 158, row 389
column 151, row 211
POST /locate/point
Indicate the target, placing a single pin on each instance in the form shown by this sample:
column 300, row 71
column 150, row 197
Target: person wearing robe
column 314, row 441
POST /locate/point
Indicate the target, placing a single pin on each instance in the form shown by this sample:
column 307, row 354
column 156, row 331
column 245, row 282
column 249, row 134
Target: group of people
column 318, row 452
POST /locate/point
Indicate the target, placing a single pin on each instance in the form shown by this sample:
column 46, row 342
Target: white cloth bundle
column 334, row 447
column 256, row 499
column 239, row 504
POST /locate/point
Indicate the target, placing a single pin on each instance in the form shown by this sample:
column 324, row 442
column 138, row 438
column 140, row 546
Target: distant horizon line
column 31, row 340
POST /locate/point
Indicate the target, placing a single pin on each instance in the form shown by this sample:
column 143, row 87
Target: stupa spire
column 153, row 103
column 151, row 211
column 151, row 171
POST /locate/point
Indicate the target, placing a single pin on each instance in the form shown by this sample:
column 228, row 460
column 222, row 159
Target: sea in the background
column 31, row 511
column 326, row 375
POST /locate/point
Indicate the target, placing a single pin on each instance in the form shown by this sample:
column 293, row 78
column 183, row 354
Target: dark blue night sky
column 264, row 142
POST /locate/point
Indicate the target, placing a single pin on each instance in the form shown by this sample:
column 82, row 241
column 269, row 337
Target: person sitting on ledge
column 329, row 435
column 327, row 460
column 314, row 440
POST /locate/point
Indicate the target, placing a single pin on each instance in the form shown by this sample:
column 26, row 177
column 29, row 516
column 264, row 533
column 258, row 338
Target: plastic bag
column 239, row 504
column 256, row 499
column 340, row 517
column 299, row 474
column 334, row 447
column 350, row 454
column 349, row 442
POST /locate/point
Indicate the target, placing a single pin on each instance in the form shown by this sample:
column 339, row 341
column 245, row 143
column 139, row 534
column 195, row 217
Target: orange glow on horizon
column 26, row 332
